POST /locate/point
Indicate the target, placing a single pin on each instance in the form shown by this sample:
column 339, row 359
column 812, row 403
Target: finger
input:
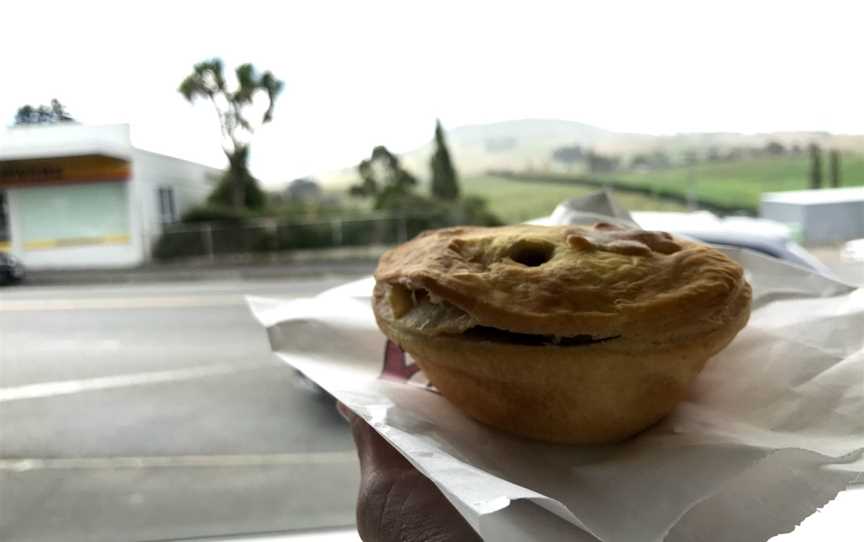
column 345, row 412
column 397, row 502
column 372, row 449
column 375, row 453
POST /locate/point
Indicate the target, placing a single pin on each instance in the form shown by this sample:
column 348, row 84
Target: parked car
column 854, row 250
column 758, row 234
column 11, row 270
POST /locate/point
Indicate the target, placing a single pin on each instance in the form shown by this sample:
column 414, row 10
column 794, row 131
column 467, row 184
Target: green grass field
column 516, row 201
column 729, row 184
column 742, row 182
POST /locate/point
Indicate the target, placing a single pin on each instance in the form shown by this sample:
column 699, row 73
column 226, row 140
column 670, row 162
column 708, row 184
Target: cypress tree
column 445, row 184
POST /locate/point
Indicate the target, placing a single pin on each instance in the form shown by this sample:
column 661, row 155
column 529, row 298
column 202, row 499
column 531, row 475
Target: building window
column 167, row 209
column 4, row 221
column 54, row 217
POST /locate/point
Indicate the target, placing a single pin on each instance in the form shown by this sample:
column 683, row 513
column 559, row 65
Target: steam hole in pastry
column 531, row 253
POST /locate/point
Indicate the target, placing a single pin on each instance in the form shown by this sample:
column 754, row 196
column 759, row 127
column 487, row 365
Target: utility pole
column 815, row 166
column 834, row 168
column 692, row 202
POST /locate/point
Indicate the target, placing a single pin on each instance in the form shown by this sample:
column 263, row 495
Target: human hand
column 396, row 503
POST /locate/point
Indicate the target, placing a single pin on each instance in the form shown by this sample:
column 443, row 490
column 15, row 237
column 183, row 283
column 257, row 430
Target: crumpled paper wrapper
column 772, row 430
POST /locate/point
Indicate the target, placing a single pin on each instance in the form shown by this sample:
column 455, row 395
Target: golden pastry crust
column 566, row 333
column 592, row 394
column 599, row 280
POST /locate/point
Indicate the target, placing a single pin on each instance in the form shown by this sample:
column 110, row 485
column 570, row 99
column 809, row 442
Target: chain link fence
column 218, row 239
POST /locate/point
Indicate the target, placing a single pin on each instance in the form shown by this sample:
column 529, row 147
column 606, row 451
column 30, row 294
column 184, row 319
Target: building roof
column 816, row 197
column 71, row 148
column 61, row 140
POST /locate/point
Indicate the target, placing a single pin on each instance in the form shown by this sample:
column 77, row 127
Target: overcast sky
column 359, row 74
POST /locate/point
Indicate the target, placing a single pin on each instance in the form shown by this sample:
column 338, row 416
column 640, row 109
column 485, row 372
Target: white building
column 74, row 196
column 828, row 215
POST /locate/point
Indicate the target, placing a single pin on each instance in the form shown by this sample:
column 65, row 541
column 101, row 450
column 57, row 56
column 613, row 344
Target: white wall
column 819, row 222
column 832, row 222
column 81, row 257
column 191, row 182
column 790, row 215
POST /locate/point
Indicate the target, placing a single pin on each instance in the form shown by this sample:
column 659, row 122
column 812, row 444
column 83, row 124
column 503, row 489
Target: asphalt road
column 152, row 412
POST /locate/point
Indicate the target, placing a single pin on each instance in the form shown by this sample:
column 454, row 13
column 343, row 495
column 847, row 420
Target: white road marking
column 113, row 303
column 248, row 460
column 66, row 387
column 69, row 345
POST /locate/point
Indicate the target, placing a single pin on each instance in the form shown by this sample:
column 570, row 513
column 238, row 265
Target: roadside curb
column 298, row 264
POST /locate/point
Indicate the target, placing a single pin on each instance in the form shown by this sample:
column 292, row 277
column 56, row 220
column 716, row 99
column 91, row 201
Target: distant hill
column 527, row 144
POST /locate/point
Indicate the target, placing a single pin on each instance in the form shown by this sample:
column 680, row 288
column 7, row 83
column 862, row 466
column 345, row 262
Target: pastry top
column 563, row 281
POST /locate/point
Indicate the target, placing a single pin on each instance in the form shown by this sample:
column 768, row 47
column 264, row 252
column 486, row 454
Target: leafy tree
column 368, row 186
column 815, row 166
column 598, row 163
column 383, row 178
column 660, row 159
column 475, row 210
column 713, row 154
column 238, row 187
column 568, row 155
column 691, row 156
column 737, row 153
column 42, row 114
column 303, row 189
column 649, row 160
column 641, row 161
column 775, row 148
column 392, row 187
column 445, row 184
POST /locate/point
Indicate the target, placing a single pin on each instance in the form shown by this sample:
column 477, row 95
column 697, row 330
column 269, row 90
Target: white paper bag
column 772, row 429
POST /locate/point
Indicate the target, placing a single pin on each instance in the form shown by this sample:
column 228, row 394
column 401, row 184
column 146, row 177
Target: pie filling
column 486, row 333
column 416, row 309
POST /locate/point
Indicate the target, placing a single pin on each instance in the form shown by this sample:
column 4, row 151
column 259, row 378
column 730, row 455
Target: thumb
column 396, row 502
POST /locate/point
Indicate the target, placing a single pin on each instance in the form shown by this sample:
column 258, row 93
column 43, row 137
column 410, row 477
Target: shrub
column 179, row 244
column 216, row 214
column 294, row 236
column 232, row 231
column 366, row 232
column 475, row 210
column 242, row 239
